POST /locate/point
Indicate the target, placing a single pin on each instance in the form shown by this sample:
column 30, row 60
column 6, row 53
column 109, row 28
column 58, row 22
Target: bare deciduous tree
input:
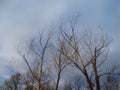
column 15, row 80
column 111, row 83
column 13, row 83
column 88, row 53
column 36, row 54
column 60, row 63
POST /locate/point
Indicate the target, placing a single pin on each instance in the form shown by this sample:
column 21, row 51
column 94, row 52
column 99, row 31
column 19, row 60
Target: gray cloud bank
column 22, row 19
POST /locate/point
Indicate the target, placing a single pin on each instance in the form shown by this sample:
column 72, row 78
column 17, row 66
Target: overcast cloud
column 21, row 20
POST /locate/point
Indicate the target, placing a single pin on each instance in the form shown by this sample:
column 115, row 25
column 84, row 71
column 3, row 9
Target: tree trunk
column 58, row 79
column 95, row 71
column 15, row 88
column 96, row 78
column 89, row 82
column 39, row 86
column 97, row 83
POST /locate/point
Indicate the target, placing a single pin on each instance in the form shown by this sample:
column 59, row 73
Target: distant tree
column 111, row 83
column 67, row 87
column 13, row 83
column 28, row 79
column 75, row 81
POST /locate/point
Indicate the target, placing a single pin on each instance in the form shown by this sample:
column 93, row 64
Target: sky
column 21, row 20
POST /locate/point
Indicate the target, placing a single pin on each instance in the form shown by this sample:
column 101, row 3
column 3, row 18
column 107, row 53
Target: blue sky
column 21, row 20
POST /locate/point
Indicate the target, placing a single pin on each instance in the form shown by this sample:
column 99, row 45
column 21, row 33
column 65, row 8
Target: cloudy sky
column 21, row 20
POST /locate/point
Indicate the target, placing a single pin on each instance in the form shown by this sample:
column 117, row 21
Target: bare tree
column 88, row 53
column 112, row 83
column 13, row 83
column 36, row 54
column 15, row 80
column 28, row 79
column 60, row 63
